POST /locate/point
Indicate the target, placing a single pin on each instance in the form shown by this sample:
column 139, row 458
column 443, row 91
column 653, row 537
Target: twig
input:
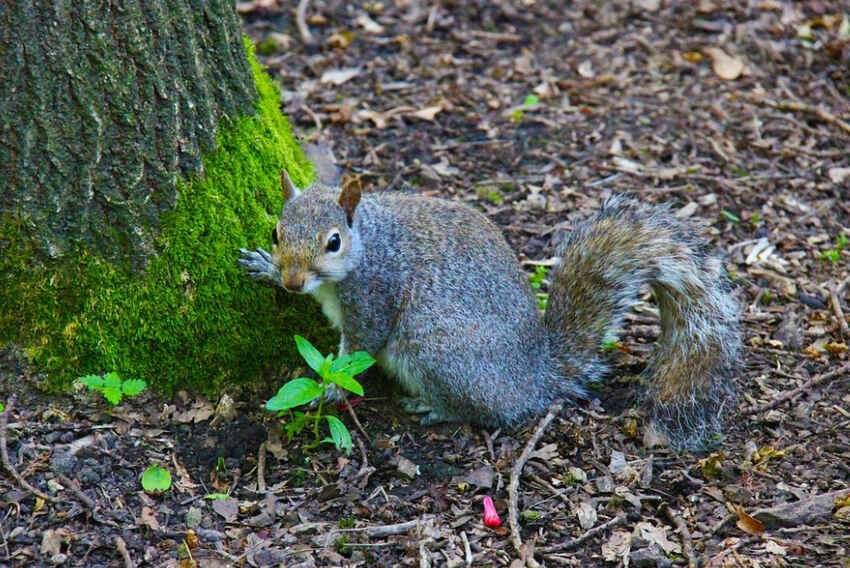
column 261, row 468
column 714, row 560
column 301, row 22
column 516, row 472
column 365, row 470
column 836, row 308
column 125, row 554
column 806, row 386
column 356, row 420
column 4, row 454
column 71, row 486
column 687, row 541
column 467, row 551
column 796, row 106
column 576, row 542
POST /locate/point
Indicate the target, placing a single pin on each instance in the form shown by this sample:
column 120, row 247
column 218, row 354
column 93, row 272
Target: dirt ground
column 737, row 113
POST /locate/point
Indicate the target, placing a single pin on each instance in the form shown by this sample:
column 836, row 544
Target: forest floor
column 737, row 113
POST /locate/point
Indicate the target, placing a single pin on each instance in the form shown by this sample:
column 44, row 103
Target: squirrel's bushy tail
column 604, row 264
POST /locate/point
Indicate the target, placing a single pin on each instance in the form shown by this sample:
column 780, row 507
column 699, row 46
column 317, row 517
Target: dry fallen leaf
column 586, row 514
column 657, row 535
column 746, row 522
column 838, row 175
column 339, row 76
column 427, row 113
column 617, row 546
column 725, row 66
column 148, row 518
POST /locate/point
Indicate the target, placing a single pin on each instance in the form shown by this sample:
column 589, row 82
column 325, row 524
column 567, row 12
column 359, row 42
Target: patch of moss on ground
column 190, row 319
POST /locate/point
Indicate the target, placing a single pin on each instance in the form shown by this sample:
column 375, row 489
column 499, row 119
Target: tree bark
column 141, row 146
column 104, row 106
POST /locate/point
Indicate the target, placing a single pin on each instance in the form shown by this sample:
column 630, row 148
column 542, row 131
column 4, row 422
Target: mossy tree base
column 190, row 318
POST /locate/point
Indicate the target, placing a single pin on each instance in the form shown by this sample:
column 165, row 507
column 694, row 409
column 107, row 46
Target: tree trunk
column 103, row 108
column 140, row 147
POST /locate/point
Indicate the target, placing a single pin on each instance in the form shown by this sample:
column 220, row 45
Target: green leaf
column 729, row 216
column 112, row 380
column 340, row 435
column 353, row 364
column 347, row 382
column 112, row 395
column 310, row 354
column 530, row 100
column 132, row 387
column 325, row 367
column 93, row 382
column 2, row 407
column 298, row 422
column 216, row 496
column 156, row 479
column 294, row 393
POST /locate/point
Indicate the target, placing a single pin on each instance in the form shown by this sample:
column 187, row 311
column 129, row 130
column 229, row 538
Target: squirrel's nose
column 293, row 281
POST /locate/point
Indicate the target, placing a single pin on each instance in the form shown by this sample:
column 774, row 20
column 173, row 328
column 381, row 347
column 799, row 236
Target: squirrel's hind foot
column 413, row 405
column 430, row 415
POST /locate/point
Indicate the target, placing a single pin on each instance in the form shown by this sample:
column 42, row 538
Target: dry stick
column 576, row 542
column 261, row 468
column 687, row 541
column 356, row 420
column 788, row 395
column 365, row 470
column 301, row 22
column 795, row 106
column 467, row 551
column 75, row 489
column 125, row 554
column 516, row 472
column 4, row 454
column 836, row 308
column 715, row 560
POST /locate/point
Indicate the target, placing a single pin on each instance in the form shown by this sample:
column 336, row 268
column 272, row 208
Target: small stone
column 193, row 517
column 577, row 475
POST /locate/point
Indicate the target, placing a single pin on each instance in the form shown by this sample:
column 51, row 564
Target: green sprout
column 112, row 386
column 156, row 479
column 833, row 255
column 536, row 280
column 333, row 372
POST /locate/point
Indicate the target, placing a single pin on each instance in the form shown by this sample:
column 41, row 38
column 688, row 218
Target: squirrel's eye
column 333, row 243
column 274, row 235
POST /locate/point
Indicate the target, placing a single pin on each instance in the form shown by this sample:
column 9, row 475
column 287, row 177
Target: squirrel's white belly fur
column 327, row 297
column 394, row 363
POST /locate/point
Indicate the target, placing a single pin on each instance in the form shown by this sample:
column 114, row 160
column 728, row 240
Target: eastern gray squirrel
column 432, row 289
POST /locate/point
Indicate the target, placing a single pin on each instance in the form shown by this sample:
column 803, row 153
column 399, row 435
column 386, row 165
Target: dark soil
column 620, row 96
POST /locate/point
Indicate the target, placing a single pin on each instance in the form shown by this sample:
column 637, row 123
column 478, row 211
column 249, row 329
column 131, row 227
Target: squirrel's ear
column 349, row 196
column 287, row 187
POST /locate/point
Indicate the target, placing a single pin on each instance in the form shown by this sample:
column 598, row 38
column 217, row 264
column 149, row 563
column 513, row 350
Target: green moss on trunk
column 190, row 318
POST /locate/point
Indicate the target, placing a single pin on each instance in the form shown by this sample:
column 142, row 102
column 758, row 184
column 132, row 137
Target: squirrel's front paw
column 258, row 265
column 333, row 395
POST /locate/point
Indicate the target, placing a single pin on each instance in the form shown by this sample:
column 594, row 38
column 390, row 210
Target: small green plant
column 611, row 345
column 333, row 371
column 755, row 220
column 729, row 216
column 518, row 113
column 2, row 407
column 216, row 496
column 156, row 479
column 347, row 522
column 491, row 194
column 536, row 280
column 833, row 255
column 112, row 386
